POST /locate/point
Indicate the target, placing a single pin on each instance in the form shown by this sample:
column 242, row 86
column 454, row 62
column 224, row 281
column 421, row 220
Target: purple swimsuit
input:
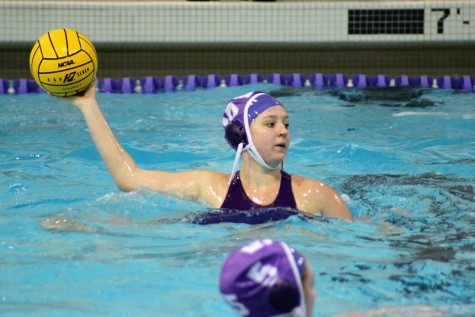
column 238, row 208
column 237, row 199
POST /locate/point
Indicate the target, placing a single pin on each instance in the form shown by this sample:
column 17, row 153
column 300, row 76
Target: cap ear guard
column 284, row 296
column 235, row 134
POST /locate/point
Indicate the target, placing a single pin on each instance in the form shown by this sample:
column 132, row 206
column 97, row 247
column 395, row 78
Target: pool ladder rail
column 171, row 83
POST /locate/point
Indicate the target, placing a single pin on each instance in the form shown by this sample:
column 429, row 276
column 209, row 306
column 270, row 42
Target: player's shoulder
column 306, row 181
column 309, row 186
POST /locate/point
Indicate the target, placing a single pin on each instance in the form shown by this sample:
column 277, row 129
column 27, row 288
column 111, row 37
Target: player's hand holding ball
column 64, row 62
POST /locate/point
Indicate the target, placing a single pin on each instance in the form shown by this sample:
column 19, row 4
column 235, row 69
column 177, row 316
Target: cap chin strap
column 251, row 149
column 301, row 310
column 236, row 160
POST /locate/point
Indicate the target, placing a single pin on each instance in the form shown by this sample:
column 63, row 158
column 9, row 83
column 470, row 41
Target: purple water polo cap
column 264, row 279
column 238, row 116
column 250, row 105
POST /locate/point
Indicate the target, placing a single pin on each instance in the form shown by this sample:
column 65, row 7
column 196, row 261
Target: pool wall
column 158, row 38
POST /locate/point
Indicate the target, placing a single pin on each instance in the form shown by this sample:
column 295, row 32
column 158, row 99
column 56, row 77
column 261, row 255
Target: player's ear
column 284, row 296
column 235, row 133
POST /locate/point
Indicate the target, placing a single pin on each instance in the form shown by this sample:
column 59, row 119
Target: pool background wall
column 158, row 38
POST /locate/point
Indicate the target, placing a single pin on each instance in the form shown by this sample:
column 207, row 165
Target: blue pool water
column 72, row 244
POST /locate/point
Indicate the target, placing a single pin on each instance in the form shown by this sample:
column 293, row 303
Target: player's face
column 270, row 134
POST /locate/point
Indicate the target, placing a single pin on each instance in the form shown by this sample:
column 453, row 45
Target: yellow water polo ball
column 63, row 62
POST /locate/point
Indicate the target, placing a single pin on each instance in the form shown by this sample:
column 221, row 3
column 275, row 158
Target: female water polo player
column 256, row 125
column 268, row 278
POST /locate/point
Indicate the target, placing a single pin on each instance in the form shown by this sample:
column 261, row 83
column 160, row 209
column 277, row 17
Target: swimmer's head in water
column 264, row 278
column 240, row 112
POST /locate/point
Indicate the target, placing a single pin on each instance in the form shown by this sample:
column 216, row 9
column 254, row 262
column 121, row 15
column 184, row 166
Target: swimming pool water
column 72, row 244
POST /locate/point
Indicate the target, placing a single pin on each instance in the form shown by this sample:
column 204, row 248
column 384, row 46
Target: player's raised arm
column 119, row 163
column 207, row 187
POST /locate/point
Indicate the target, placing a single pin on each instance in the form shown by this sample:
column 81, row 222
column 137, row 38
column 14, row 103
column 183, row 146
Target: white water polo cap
column 240, row 112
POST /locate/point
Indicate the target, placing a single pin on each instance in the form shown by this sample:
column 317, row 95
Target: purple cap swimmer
column 238, row 116
column 264, row 279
